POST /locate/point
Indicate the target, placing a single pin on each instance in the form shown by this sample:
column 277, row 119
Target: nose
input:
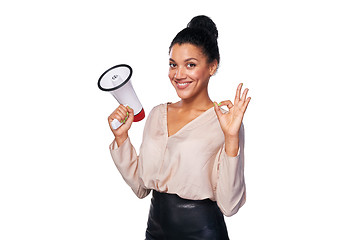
column 180, row 73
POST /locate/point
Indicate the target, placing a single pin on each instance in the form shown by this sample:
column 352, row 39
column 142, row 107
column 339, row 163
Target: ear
column 213, row 67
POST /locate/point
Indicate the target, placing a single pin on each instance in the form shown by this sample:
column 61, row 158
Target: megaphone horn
column 116, row 80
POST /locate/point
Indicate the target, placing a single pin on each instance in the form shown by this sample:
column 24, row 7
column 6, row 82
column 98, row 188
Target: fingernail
column 219, row 104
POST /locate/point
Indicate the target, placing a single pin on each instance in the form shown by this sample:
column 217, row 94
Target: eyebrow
column 186, row 60
column 189, row 59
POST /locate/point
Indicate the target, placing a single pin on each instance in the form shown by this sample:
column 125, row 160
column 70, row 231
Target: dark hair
column 201, row 31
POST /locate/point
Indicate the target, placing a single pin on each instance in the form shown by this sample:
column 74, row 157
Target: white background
column 300, row 60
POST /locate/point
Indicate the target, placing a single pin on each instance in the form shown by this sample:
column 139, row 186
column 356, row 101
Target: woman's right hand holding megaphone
column 124, row 115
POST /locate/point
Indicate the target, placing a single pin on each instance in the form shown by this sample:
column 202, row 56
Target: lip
column 182, row 86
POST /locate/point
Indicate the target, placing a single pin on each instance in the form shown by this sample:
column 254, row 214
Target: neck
column 200, row 102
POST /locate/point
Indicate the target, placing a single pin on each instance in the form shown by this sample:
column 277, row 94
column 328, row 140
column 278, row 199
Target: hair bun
column 204, row 22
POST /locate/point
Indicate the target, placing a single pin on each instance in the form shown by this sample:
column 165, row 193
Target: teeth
column 183, row 84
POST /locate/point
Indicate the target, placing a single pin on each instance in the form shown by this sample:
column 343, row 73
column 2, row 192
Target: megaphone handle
column 115, row 124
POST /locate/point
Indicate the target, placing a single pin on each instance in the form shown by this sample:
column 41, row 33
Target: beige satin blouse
column 192, row 163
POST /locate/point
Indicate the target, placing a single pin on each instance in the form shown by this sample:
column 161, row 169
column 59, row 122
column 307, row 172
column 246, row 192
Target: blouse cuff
column 232, row 158
column 114, row 146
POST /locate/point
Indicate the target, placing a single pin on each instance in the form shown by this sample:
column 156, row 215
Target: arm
column 123, row 152
column 231, row 190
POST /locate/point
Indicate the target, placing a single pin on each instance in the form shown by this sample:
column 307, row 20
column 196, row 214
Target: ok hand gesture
column 230, row 122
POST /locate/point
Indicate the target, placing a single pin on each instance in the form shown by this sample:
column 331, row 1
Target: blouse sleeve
column 230, row 190
column 126, row 161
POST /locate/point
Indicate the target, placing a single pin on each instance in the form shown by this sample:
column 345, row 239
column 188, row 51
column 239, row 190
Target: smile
column 182, row 85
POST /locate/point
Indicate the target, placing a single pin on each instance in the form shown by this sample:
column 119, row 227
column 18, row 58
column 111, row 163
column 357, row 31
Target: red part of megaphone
column 140, row 116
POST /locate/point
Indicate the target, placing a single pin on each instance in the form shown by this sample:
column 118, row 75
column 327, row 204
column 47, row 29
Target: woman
column 192, row 153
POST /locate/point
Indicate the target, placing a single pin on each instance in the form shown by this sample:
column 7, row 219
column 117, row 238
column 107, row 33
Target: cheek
column 198, row 74
column 171, row 74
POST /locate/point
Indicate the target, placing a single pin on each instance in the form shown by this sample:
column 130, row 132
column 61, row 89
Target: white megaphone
column 116, row 80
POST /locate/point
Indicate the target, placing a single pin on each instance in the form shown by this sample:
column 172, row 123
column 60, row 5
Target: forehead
column 185, row 51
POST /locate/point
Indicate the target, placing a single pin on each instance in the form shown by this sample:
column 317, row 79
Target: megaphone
column 116, row 80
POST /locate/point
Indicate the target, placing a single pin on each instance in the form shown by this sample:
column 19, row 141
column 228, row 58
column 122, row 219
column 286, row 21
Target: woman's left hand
column 230, row 122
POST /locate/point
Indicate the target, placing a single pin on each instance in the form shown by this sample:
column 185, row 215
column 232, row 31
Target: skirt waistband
column 170, row 200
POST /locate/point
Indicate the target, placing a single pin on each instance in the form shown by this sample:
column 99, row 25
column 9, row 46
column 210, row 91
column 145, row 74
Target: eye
column 191, row 65
column 172, row 65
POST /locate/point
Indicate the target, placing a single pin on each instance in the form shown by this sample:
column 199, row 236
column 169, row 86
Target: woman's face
column 189, row 70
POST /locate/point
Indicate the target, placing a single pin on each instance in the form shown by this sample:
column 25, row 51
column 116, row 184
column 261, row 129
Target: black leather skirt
column 172, row 217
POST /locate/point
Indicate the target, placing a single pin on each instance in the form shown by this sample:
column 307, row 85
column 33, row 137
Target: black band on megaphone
column 120, row 85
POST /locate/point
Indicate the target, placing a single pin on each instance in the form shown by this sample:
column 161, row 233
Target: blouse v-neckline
column 190, row 125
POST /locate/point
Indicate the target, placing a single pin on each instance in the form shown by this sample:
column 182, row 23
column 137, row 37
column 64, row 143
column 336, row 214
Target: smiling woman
column 192, row 153
column 190, row 70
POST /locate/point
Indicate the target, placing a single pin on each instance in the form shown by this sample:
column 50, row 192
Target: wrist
column 120, row 139
column 232, row 145
column 231, row 137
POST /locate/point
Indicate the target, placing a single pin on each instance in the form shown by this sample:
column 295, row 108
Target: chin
column 184, row 95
